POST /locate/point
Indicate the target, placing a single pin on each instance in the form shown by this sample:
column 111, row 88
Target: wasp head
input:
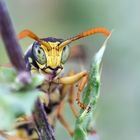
column 50, row 57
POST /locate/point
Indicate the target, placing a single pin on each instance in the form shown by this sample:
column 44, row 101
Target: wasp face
column 50, row 60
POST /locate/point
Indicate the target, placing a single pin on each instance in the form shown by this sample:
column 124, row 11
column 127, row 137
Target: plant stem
column 45, row 130
column 9, row 38
column 11, row 44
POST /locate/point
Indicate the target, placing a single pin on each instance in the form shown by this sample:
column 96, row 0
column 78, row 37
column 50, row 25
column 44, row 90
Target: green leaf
column 7, row 74
column 15, row 98
column 90, row 96
column 13, row 103
column 37, row 79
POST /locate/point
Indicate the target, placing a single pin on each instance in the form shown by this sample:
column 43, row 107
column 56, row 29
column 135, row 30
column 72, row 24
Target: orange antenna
column 84, row 34
column 28, row 33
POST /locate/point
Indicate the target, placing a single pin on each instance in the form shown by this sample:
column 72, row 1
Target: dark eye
column 65, row 54
column 39, row 54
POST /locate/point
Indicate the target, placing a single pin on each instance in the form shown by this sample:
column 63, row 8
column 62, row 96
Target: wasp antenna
column 91, row 32
column 85, row 34
column 28, row 33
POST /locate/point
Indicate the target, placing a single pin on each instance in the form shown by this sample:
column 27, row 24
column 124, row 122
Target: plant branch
column 11, row 44
column 45, row 130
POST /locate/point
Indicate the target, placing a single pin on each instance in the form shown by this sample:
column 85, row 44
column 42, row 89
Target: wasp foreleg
column 74, row 79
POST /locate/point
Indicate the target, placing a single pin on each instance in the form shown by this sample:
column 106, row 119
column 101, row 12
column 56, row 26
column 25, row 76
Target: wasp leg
column 71, row 96
column 80, row 88
column 61, row 118
column 71, row 101
column 74, row 79
column 64, row 91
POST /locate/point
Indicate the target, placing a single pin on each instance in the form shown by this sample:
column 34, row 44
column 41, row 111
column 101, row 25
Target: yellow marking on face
column 53, row 55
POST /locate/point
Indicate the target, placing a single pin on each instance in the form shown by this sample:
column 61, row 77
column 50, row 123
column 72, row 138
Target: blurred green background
column 117, row 114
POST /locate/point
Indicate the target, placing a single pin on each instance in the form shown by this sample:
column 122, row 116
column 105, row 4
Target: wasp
column 48, row 57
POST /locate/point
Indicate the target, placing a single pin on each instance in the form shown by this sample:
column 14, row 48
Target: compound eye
column 39, row 54
column 65, row 54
